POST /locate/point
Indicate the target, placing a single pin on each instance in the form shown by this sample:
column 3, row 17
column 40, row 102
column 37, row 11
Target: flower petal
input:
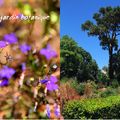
column 2, row 44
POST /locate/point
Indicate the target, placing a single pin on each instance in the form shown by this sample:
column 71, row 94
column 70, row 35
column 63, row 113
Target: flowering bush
column 29, row 64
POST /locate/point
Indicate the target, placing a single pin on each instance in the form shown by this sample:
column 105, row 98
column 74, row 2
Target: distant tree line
column 78, row 63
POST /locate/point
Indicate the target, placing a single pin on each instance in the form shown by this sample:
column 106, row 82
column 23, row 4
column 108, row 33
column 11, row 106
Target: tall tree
column 107, row 28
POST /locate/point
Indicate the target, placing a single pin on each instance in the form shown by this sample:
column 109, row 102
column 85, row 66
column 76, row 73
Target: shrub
column 68, row 93
column 93, row 84
column 99, row 108
column 64, row 80
column 114, row 84
column 118, row 90
column 81, row 88
column 103, row 78
column 108, row 92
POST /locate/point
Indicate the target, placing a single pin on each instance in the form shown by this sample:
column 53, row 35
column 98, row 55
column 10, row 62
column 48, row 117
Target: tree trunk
column 110, row 63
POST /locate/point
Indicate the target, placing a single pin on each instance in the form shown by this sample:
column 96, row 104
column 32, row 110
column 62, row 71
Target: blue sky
column 75, row 12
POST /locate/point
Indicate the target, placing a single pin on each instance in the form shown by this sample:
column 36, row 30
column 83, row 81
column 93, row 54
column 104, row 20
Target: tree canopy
column 76, row 62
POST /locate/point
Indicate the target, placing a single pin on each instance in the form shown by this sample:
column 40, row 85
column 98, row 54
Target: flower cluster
column 47, row 81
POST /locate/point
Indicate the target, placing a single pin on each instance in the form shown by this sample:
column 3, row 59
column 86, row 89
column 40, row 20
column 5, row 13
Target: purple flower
column 50, row 83
column 52, row 86
column 48, row 110
column 25, row 48
column 1, row 2
column 6, row 72
column 23, row 66
column 57, row 111
column 2, row 44
column 43, row 81
column 20, row 15
column 48, row 52
column 10, row 38
column 4, row 82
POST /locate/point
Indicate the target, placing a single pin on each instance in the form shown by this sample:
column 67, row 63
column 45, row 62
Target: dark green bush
column 80, row 88
column 99, row 108
column 115, row 83
column 103, row 78
column 74, row 83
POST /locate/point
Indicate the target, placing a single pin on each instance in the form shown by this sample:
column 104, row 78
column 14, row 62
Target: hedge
column 98, row 108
